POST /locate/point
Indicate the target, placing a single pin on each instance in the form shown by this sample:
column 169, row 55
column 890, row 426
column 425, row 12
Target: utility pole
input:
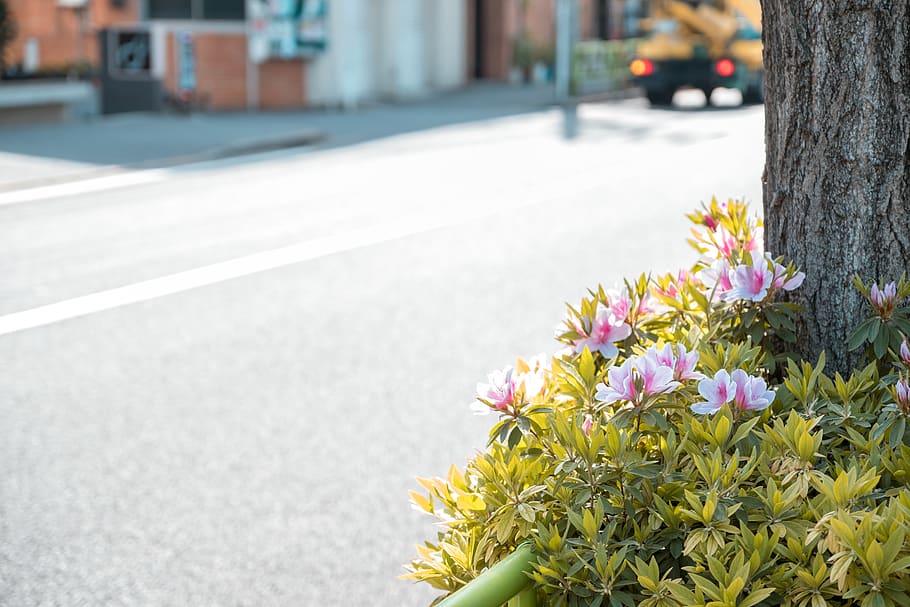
column 566, row 27
column 566, row 34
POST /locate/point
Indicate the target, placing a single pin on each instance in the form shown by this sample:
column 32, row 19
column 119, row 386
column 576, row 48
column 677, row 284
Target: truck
column 703, row 44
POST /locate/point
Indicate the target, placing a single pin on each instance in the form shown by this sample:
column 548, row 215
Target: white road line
column 236, row 268
column 87, row 186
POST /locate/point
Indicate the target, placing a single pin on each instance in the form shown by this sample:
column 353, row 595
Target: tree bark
column 837, row 172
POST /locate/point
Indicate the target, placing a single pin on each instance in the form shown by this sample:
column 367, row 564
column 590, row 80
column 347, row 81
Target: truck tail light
column 641, row 67
column 725, row 68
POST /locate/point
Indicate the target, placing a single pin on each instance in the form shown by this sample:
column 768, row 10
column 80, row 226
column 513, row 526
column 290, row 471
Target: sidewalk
column 36, row 155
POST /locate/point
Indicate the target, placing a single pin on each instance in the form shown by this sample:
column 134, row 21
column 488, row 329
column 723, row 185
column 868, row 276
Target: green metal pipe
column 498, row 584
column 525, row 598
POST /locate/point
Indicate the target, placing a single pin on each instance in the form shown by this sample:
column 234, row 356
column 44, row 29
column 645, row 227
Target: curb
column 243, row 147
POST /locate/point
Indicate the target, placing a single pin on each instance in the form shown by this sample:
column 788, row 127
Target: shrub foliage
column 673, row 454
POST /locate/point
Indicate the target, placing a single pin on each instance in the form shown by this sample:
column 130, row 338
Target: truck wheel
column 707, row 92
column 660, row 97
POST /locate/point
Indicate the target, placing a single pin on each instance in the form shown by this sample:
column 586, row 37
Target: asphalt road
column 218, row 381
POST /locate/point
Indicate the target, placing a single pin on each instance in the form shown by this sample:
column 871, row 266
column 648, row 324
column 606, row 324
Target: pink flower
column 587, row 425
column 710, row 222
column 750, row 282
column 656, row 378
column 606, row 329
column 677, row 358
column 673, row 284
column 716, row 392
column 620, row 304
column 883, row 300
column 717, row 278
column 746, row 392
column 781, row 279
column 751, row 392
column 905, row 353
column 902, row 394
column 621, row 384
column 501, row 390
column 726, row 242
column 636, row 379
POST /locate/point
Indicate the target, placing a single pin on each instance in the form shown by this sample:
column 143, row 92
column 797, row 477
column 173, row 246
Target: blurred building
column 271, row 54
column 55, row 34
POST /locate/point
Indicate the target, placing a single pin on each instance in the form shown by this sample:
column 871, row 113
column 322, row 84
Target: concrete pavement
column 38, row 155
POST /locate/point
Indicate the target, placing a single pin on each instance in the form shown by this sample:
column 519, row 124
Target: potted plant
column 673, row 454
column 523, row 56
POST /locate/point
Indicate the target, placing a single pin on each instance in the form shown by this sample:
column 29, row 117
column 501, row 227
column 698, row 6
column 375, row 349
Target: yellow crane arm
column 718, row 27
column 750, row 9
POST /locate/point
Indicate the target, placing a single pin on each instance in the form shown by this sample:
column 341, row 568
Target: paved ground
column 235, row 369
column 38, row 154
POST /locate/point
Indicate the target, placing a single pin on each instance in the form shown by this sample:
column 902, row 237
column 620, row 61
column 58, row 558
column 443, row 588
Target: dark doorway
column 479, row 37
column 603, row 19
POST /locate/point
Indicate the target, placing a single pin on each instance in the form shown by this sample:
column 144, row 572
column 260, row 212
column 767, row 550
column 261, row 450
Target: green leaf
column 586, row 367
column 756, row 597
column 514, row 437
column 470, row 501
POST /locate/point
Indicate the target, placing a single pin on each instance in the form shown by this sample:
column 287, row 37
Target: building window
column 197, row 9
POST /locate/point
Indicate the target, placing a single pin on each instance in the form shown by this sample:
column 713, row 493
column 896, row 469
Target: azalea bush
column 672, row 453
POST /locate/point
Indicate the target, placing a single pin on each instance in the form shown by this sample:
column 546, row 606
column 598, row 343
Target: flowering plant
column 670, row 455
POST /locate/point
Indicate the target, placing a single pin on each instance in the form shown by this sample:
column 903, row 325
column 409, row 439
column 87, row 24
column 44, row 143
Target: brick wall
column 281, row 84
column 220, row 68
column 65, row 35
column 221, row 74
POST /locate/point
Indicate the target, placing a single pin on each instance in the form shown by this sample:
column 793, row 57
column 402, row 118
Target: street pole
column 566, row 32
column 564, row 40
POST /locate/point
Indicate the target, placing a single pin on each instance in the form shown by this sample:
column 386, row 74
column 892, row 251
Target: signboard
column 286, row 29
column 130, row 53
column 186, row 64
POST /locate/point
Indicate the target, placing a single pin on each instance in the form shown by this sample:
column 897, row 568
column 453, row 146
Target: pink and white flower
column 782, row 280
column 677, row 358
column 905, row 353
column 620, row 385
column 620, row 304
column 636, row 379
column 752, row 393
column 717, row 278
column 902, row 395
column 750, row 282
column 716, row 391
column 587, row 425
column 747, row 393
column 656, row 378
column 883, row 300
column 500, row 391
column 606, row 328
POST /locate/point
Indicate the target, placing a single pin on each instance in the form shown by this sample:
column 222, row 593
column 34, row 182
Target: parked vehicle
column 702, row 44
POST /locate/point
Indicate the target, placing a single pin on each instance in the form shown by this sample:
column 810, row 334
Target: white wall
column 397, row 49
column 448, row 24
column 343, row 75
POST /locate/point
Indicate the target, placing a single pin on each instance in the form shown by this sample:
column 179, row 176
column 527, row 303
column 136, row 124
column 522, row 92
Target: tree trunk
column 837, row 172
